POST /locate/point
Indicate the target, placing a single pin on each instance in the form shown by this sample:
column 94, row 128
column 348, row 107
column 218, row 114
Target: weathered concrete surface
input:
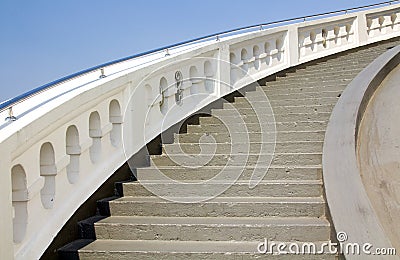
column 379, row 154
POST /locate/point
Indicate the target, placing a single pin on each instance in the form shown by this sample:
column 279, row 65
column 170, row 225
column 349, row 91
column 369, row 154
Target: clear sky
column 43, row 40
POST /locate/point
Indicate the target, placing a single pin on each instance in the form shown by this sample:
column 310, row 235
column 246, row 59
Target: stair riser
column 270, row 88
column 285, row 90
column 315, row 81
column 339, row 66
column 351, row 60
column 248, row 209
column 87, row 255
column 289, row 102
column 324, row 94
column 206, row 173
column 266, row 118
column 254, row 148
column 254, row 137
column 322, row 73
column 243, row 190
column 280, row 126
column 325, row 73
column 276, row 110
column 276, row 107
column 214, row 232
column 344, row 64
column 237, row 160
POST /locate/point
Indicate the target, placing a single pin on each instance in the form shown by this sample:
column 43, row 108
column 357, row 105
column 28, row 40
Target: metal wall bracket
column 179, row 90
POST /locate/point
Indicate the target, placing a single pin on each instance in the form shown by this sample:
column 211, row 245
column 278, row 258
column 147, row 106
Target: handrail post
column 102, row 75
column 167, row 52
column 11, row 116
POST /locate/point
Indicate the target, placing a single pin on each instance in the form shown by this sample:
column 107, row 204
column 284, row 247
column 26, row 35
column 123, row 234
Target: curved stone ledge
column 349, row 204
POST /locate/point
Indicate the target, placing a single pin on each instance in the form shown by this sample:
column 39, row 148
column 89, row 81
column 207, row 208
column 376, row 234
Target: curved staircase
column 287, row 205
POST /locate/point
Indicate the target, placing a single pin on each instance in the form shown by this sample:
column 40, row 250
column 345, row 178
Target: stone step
column 220, row 207
column 320, row 87
column 328, row 74
column 292, row 117
column 320, row 94
column 311, row 72
column 270, row 188
column 233, row 137
column 304, row 101
column 274, row 172
column 290, row 101
column 243, row 102
column 276, row 110
column 191, row 250
column 287, row 159
column 317, row 80
column 252, row 148
column 343, row 64
column 322, row 67
column 290, row 85
column 212, row 228
column 302, row 88
column 255, row 127
column 356, row 60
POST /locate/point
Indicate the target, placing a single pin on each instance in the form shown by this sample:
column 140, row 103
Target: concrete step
column 350, row 59
column 226, row 137
column 274, row 172
column 255, row 127
column 304, row 88
column 252, row 148
column 300, row 84
column 213, row 228
column 220, row 207
column 270, row 188
column 182, row 250
column 341, row 66
column 311, row 72
column 356, row 60
column 322, row 68
column 290, row 101
column 276, row 110
column 287, row 159
column 321, row 94
column 317, row 80
column 288, row 117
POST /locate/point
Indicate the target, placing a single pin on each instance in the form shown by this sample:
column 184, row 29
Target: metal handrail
column 18, row 99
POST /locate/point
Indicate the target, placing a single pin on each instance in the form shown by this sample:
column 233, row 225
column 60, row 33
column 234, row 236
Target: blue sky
column 43, row 40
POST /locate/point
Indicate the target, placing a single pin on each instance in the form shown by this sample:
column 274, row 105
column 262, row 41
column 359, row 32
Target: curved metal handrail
column 8, row 104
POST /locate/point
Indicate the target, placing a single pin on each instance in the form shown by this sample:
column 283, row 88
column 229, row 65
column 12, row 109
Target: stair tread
column 231, row 154
column 317, row 166
column 158, row 246
column 157, row 199
column 226, row 221
column 277, row 142
column 218, row 133
column 238, row 182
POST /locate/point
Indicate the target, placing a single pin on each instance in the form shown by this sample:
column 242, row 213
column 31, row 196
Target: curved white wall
column 378, row 154
column 70, row 139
